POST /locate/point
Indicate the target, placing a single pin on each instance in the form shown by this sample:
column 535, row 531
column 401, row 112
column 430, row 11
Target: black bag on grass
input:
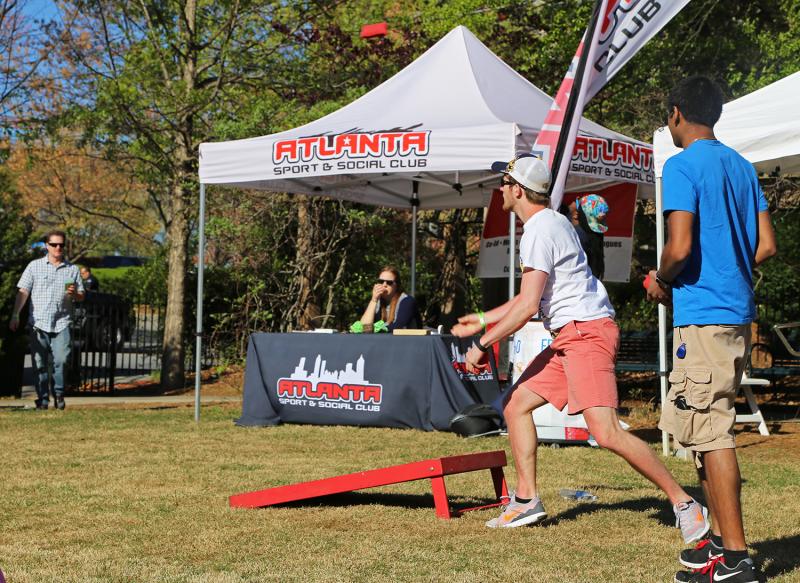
column 476, row 419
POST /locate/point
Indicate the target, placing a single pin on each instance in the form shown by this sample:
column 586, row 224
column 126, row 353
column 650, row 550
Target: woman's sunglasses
column 386, row 281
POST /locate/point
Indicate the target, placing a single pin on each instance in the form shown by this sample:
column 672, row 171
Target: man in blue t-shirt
column 719, row 230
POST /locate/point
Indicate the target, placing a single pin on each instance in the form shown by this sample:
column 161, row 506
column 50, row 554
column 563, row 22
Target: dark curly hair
column 699, row 100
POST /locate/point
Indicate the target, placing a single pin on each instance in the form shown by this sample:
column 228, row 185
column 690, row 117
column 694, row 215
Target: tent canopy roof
column 461, row 108
column 763, row 126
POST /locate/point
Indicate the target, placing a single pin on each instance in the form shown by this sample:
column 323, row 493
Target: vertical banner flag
column 617, row 244
column 617, row 30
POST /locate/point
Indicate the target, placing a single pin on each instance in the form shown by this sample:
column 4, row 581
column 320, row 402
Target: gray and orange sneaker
column 692, row 518
column 518, row 514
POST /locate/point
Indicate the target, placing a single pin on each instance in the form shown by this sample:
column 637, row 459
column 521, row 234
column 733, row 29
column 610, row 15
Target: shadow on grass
column 21, row 409
column 647, row 434
column 777, row 556
column 409, row 501
column 658, row 508
column 652, row 435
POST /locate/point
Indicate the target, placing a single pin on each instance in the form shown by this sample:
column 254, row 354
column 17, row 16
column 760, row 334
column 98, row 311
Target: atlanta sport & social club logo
column 338, row 389
column 354, row 149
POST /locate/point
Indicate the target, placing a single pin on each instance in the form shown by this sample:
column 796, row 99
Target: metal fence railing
column 769, row 354
column 116, row 340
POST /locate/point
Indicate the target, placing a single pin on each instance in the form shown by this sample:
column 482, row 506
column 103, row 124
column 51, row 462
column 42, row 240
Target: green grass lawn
column 140, row 495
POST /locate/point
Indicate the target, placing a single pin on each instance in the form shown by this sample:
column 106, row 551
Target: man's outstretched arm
column 524, row 307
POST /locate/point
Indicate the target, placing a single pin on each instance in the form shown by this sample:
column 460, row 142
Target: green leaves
column 15, row 231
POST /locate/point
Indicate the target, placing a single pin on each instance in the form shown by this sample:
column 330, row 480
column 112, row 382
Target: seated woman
column 390, row 304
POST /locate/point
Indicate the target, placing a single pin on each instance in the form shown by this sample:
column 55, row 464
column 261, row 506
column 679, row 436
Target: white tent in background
column 763, row 126
column 422, row 139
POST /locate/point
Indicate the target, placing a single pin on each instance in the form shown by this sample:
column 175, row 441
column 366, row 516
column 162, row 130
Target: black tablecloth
column 377, row 380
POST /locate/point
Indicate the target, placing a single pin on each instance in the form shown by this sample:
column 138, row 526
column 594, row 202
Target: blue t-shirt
column 720, row 187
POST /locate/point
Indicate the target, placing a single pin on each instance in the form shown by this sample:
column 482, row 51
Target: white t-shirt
column 549, row 243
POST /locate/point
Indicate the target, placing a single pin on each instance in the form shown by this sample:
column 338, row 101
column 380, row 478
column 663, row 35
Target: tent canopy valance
column 429, row 132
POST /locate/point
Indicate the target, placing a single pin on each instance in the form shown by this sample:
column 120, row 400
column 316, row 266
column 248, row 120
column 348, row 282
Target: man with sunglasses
column 577, row 369
column 52, row 284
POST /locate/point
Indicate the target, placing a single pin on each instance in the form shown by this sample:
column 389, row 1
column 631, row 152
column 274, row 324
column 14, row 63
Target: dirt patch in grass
column 215, row 383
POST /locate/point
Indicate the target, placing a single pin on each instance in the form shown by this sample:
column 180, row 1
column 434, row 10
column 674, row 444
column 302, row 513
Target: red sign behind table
column 377, row 29
column 496, row 223
column 621, row 198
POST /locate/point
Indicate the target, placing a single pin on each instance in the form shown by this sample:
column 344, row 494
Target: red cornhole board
column 433, row 469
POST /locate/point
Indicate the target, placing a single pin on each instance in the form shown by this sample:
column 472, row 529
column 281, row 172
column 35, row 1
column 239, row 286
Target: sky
column 41, row 9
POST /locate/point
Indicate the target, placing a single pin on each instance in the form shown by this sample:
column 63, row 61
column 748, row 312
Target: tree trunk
column 308, row 304
column 173, row 374
column 173, row 360
column 452, row 303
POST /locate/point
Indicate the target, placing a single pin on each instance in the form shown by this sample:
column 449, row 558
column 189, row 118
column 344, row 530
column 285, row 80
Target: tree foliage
column 15, row 231
column 99, row 204
column 145, row 82
column 151, row 78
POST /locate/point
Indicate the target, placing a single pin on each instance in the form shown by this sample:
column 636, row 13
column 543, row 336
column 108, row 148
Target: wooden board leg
column 499, row 480
column 440, row 497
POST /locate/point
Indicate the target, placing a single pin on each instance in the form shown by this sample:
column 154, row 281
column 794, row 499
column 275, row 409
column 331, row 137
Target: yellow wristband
column 482, row 320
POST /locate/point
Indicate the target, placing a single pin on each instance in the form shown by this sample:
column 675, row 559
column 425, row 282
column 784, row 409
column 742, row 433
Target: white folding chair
column 755, row 415
column 779, row 331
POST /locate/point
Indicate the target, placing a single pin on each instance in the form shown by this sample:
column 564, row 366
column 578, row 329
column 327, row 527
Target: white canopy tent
column 441, row 122
column 761, row 127
column 422, row 139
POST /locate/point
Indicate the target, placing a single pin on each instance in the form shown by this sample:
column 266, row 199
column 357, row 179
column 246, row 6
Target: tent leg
column 413, row 251
column 512, row 254
column 201, row 248
column 512, row 271
column 414, row 206
column 662, row 313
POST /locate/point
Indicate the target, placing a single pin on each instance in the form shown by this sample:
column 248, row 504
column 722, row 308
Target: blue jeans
column 45, row 345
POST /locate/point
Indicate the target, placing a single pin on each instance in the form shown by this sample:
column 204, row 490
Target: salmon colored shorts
column 578, row 367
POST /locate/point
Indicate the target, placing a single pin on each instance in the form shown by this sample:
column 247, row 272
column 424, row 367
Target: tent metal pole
column 201, row 263
column 414, row 206
column 512, row 274
column 662, row 313
column 512, row 252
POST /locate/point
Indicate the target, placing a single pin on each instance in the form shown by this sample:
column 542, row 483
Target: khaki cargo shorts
column 703, row 384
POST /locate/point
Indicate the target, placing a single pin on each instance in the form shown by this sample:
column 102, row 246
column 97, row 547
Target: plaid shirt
column 51, row 308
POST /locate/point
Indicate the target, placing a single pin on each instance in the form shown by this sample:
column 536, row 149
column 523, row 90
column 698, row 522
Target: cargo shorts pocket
column 690, row 395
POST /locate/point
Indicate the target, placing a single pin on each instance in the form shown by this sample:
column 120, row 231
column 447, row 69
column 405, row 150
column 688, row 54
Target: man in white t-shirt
column 577, row 369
